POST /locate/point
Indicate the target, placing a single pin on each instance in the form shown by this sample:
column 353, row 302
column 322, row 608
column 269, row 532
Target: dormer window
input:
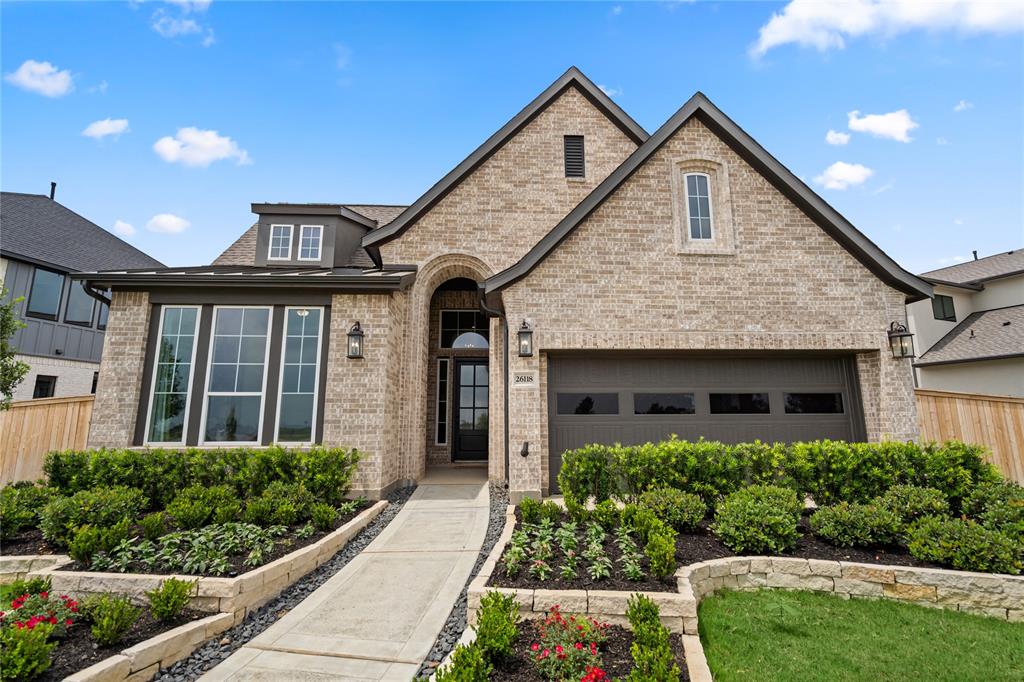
column 309, row 242
column 698, row 205
column 280, row 242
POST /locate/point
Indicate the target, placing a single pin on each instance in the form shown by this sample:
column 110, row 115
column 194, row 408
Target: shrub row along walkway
column 379, row 616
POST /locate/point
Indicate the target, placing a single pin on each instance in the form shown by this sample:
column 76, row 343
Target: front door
column 470, row 409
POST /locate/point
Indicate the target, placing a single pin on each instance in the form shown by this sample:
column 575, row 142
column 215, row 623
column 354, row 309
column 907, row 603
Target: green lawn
column 777, row 635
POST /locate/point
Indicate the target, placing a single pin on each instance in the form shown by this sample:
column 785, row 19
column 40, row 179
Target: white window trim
column 711, row 208
column 319, row 245
column 209, row 368
column 270, row 243
column 191, row 374
column 316, row 378
column 437, row 403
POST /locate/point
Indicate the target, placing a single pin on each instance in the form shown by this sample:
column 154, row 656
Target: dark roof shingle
column 983, row 335
column 989, row 267
column 38, row 228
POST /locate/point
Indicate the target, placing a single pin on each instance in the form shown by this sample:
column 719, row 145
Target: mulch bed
column 691, row 548
column 78, row 650
column 615, row 657
column 32, row 542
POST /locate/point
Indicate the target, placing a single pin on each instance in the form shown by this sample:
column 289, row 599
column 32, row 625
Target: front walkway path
column 379, row 616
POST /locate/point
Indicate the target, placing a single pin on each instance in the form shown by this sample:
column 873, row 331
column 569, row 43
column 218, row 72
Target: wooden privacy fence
column 997, row 422
column 32, row 428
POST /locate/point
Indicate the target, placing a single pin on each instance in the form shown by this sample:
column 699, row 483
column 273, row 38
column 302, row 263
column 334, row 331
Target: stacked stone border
column 229, row 599
column 996, row 595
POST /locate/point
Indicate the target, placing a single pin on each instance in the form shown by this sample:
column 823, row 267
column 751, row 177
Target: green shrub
column 101, row 508
column 857, row 525
column 24, row 652
column 111, row 617
column 496, row 625
column 323, row 516
column 153, row 525
column 911, row 502
column 467, row 664
column 21, row 505
column 259, row 512
column 758, row 519
column 680, row 510
column 197, row 506
column 964, row 545
column 20, row 586
column 661, row 552
column 642, row 520
column 653, row 660
column 585, row 473
column 170, row 599
column 88, row 541
column 606, row 514
column 999, row 506
column 530, row 510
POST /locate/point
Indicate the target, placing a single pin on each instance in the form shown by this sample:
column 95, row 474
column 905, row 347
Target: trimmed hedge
column 828, row 471
column 326, row 473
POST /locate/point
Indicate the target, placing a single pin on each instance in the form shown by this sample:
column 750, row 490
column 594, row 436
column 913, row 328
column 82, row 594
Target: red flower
column 68, row 622
column 44, row 595
column 534, row 646
column 558, row 648
column 579, row 645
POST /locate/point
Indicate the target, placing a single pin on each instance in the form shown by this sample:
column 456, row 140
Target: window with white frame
column 698, row 205
column 236, row 377
column 280, row 242
column 300, row 364
column 309, row 242
column 172, row 374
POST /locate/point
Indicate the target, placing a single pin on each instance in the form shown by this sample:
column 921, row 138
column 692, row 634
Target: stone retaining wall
column 17, row 567
column 236, row 596
column 145, row 659
column 997, row 595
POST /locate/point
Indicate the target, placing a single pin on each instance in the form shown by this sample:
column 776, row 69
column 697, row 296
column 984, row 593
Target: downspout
column 500, row 314
column 95, row 293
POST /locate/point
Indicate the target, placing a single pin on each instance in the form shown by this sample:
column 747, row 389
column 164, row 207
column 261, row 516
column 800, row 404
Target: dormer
column 310, row 235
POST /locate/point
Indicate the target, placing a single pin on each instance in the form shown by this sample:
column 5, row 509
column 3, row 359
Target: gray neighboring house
column 41, row 243
column 970, row 336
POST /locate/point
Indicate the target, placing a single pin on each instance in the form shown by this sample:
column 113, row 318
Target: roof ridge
column 973, row 260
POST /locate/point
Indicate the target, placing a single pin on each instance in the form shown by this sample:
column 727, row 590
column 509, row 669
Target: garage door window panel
column 814, row 403
column 739, row 403
column 664, row 403
column 588, row 403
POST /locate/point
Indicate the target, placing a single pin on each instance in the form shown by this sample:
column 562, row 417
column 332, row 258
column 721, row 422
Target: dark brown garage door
column 629, row 399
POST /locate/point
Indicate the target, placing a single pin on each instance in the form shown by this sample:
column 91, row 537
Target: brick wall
column 620, row 282
column 74, row 377
column 120, row 382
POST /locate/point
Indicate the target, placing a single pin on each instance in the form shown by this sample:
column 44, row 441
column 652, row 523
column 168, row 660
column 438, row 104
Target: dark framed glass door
column 470, row 398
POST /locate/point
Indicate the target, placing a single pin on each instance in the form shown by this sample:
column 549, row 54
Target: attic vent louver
column 574, row 166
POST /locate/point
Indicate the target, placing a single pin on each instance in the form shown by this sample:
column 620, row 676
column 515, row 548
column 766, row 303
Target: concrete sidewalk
column 379, row 616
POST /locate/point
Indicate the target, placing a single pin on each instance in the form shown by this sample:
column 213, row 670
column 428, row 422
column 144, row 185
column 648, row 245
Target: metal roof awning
column 343, row 279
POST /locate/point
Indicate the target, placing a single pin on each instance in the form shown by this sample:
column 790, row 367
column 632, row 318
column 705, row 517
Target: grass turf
column 778, row 635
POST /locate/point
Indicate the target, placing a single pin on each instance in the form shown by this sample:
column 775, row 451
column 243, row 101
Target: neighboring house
column 970, row 337
column 682, row 282
column 41, row 243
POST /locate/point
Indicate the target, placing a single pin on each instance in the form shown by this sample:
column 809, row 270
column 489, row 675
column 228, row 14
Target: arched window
column 469, row 340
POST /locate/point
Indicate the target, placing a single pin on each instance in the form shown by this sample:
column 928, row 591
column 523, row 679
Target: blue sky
column 212, row 106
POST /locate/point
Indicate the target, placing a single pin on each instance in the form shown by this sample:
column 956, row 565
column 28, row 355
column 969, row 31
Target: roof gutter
column 95, row 293
column 960, row 361
column 349, row 283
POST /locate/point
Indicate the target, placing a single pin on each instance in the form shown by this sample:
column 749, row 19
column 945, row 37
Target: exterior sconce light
column 355, row 341
column 901, row 341
column 525, row 340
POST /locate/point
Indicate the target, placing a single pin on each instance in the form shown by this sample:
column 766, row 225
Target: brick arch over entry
column 414, row 404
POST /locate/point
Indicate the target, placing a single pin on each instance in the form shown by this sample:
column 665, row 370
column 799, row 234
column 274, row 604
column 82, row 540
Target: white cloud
column 941, row 141
column 828, row 25
column 616, row 10
column 124, row 229
column 837, row 138
column 107, row 126
column 41, row 77
column 884, row 188
column 610, row 91
column 895, row 125
column 958, row 221
column 191, row 5
column 199, row 148
column 174, row 26
column 342, row 56
column 100, row 88
column 951, row 260
column 841, row 175
column 167, row 223
column 963, row 105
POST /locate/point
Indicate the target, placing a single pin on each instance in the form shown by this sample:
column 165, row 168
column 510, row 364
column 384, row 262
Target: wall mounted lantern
column 525, row 340
column 355, row 341
column 901, row 341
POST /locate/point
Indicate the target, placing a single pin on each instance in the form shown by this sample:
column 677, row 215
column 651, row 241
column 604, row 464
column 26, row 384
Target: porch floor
column 378, row 617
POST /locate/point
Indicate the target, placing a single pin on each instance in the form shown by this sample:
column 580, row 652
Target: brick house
column 573, row 280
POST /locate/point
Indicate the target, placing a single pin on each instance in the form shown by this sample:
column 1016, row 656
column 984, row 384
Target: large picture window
column 299, row 370
column 236, row 382
column 80, row 306
column 172, row 375
column 44, row 298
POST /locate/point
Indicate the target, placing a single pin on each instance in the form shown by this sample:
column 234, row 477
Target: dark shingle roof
column 382, row 213
column 988, row 334
column 973, row 271
column 35, row 227
column 242, row 251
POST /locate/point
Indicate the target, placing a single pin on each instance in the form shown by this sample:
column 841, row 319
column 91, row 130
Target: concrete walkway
column 378, row 617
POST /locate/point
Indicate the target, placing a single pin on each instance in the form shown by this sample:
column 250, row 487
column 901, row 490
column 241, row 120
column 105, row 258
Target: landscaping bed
column 779, row 635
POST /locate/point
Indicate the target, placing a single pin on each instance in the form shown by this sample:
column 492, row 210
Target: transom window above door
column 464, row 329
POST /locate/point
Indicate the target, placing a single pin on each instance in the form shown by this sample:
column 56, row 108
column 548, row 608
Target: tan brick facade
column 120, row 382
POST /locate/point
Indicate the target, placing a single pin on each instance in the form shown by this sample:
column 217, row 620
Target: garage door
column 634, row 399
